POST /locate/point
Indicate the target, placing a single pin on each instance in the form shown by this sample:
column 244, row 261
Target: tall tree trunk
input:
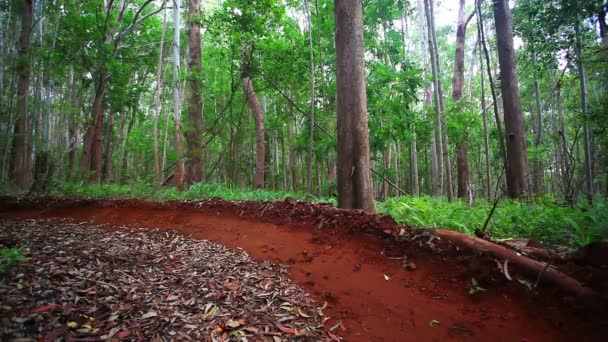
column 462, row 154
column 258, row 114
column 484, row 115
column 194, row 131
column 586, row 132
column 97, row 138
column 73, row 111
column 436, row 92
column 178, row 175
column 157, row 93
column 501, row 140
column 107, row 174
column 537, row 166
column 311, row 137
column 293, row 171
column 355, row 187
column 20, row 155
column 517, row 153
column 435, row 166
column 415, row 183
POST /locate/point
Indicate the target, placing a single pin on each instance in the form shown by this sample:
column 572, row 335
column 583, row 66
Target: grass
column 544, row 218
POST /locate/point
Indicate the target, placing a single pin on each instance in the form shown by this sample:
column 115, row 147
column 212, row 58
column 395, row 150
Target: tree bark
column 435, row 166
column 584, row 109
column 355, row 187
column 107, row 174
column 484, row 115
column 462, row 154
column 311, row 137
column 20, row 155
column 97, row 136
column 157, row 93
column 517, row 155
column 194, row 131
column 436, row 95
column 178, row 175
column 258, row 114
column 537, row 166
column 501, row 140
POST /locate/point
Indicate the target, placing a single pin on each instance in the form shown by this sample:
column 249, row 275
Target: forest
column 244, row 95
column 440, row 125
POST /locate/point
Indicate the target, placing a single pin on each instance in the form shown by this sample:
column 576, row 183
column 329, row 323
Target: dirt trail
column 348, row 271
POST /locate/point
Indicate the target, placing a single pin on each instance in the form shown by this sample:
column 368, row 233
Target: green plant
column 9, row 257
column 475, row 288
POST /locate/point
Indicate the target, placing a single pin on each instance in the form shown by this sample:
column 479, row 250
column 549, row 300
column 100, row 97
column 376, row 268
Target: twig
column 540, row 274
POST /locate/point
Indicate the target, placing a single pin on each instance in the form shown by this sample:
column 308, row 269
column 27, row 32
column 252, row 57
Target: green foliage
column 475, row 288
column 9, row 257
column 543, row 219
column 197, row 191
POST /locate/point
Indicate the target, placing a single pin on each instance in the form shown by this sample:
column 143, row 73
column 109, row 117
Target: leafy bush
column 543, row 219
column 9, row 257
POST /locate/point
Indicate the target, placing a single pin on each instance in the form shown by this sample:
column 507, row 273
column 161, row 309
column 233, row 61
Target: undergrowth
column 544, row 218
column 9, row 257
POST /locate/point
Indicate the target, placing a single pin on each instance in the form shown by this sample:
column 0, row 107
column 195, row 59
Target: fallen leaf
column 386, row 277
column 45, row 308
column 433, row 323
column 149, row 315
column 72, row 324
column 286, row 330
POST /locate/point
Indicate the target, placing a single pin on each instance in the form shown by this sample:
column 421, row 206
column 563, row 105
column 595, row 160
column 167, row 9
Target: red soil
column 344, row 262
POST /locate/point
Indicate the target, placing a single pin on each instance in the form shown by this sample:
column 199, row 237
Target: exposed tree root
column 527, row 265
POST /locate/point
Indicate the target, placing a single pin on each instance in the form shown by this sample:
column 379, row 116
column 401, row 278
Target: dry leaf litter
column 83, row 283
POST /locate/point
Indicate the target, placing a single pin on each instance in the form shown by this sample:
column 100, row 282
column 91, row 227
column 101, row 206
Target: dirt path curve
column 350, row 273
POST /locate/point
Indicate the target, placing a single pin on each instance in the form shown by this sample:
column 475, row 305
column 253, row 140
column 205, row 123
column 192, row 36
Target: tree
column 517, row 155
column 194, row 131
column 20, row 150
column 462, row 156
column 258, row 113
column 355, row 188
column 179, row 174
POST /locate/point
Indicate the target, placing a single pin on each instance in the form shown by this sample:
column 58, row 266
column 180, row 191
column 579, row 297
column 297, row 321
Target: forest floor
column 369, row 278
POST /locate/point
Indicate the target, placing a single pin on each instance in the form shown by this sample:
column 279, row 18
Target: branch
column 466, row 22
column 293, row 103
column 137, row 22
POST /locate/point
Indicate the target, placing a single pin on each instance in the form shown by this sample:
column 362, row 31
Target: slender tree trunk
column 258, row 114
column 484, row 114
column 435, row 165
column 74, row 110
column 355, row 187
column 436, row 95
column 415, row 183
column 311, row 139
column 537, row 166
column 462, row 154
column 292, row 155
column 20, row 155
column 194, row 131
column 179, row 174
column 98, row 116
column 157, row 93
column 586, row 132
column 517, row 156
column 109, row 150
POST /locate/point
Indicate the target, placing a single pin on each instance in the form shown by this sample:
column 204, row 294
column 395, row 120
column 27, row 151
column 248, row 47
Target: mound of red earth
column 382, row 281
